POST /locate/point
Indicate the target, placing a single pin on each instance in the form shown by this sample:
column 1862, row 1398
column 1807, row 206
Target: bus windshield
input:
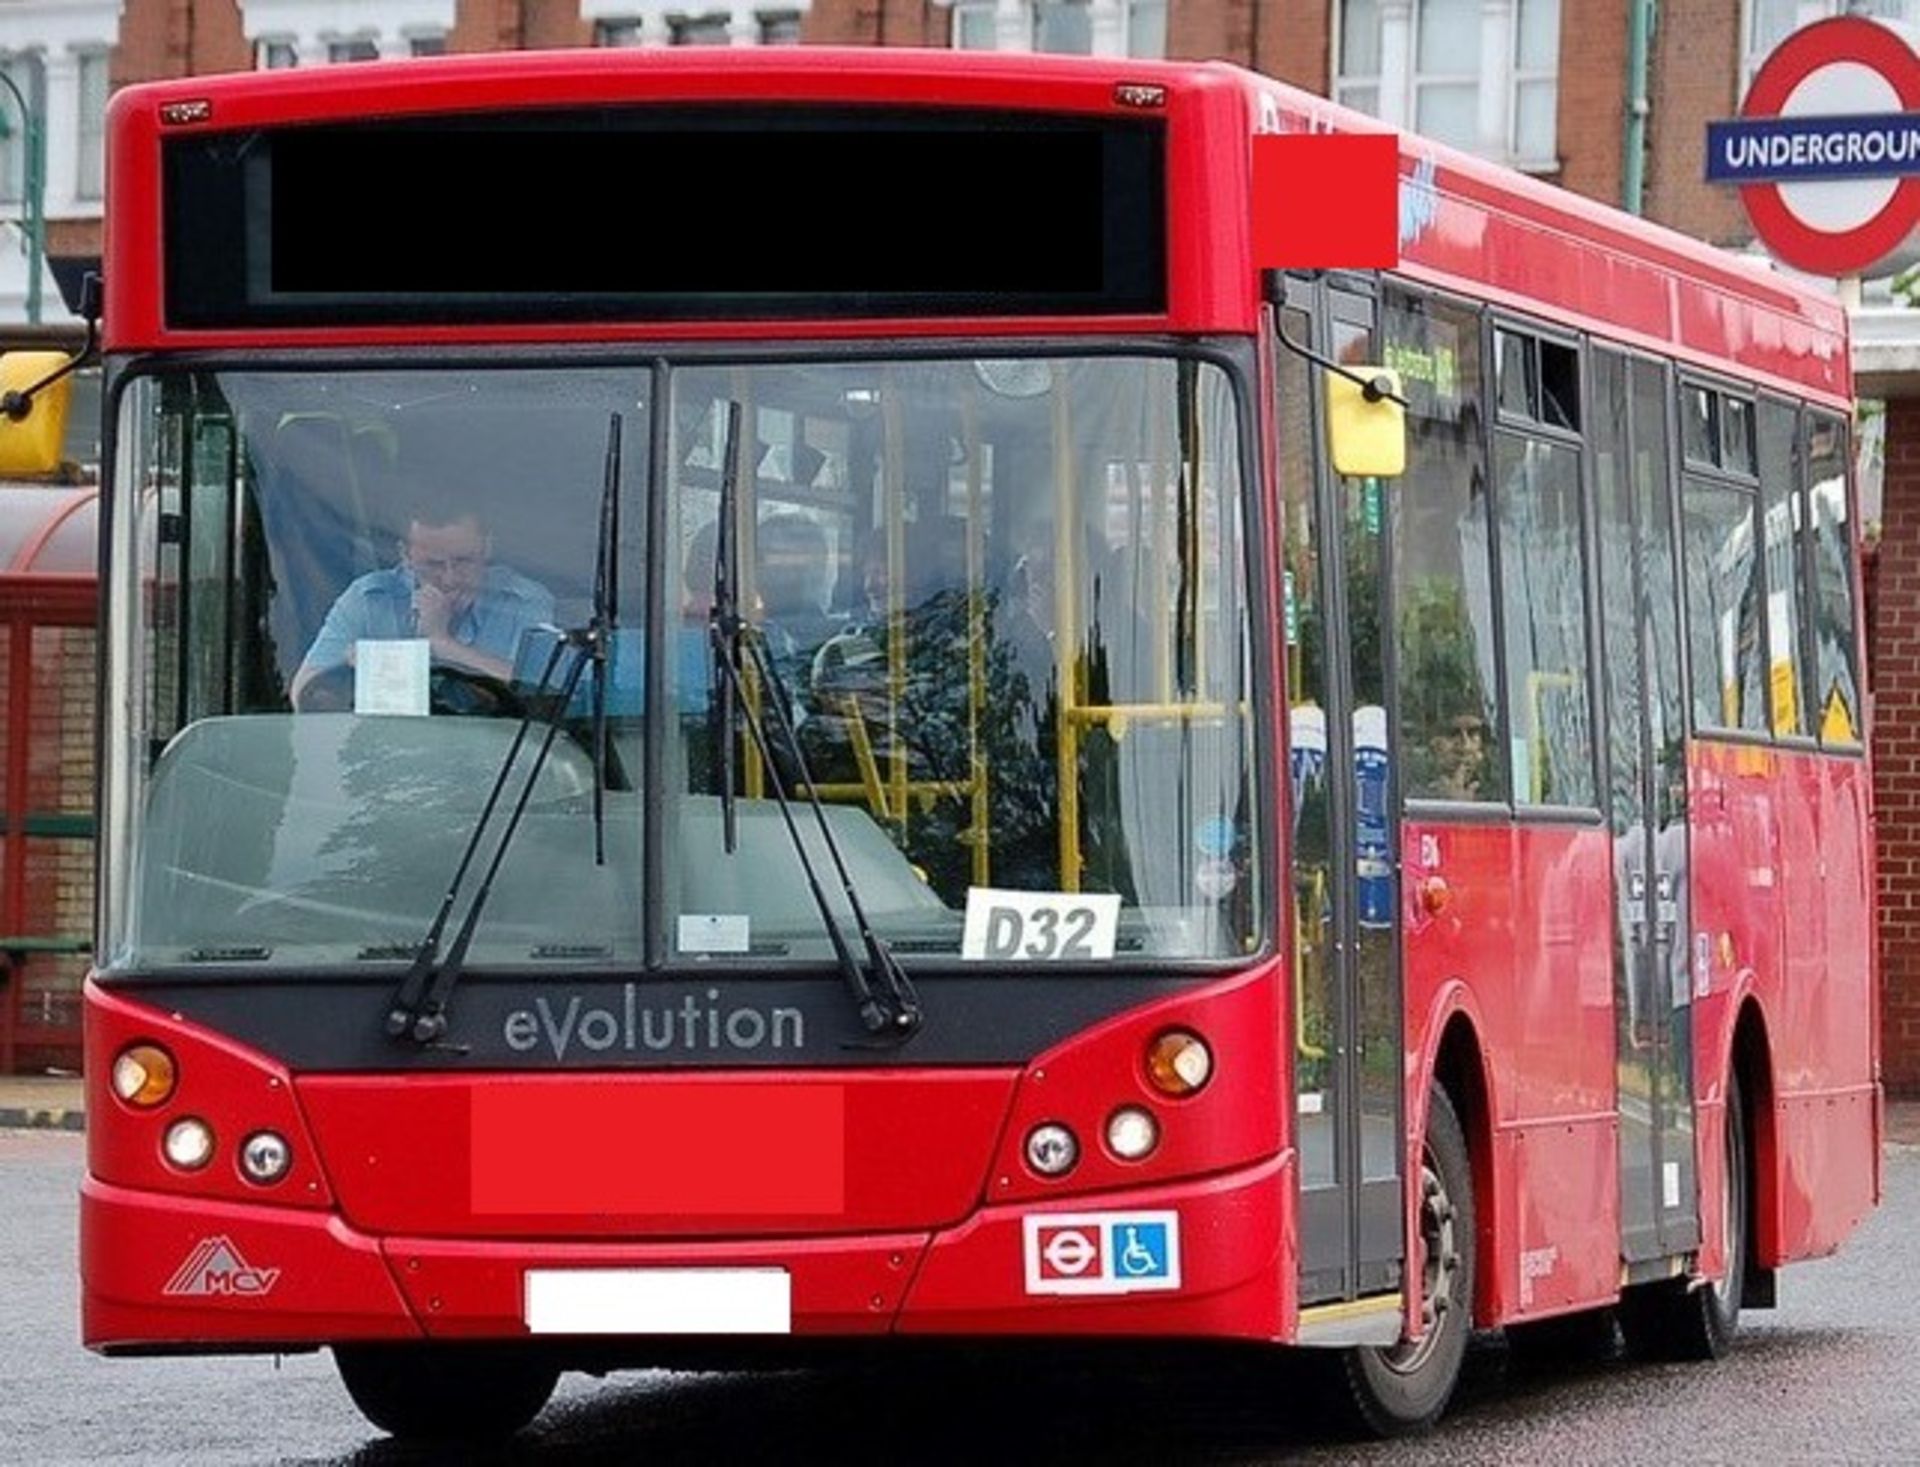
column 1003, row 602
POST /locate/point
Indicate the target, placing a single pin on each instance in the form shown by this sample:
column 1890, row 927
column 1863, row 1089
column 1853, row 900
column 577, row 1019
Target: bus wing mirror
column 31, row 442
column 1366, row 424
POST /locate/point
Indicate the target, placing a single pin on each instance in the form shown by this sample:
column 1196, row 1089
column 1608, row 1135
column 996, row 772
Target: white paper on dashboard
column 391, row 676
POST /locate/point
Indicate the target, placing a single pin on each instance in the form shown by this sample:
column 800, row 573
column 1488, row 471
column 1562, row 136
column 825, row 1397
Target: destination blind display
column 644, row 214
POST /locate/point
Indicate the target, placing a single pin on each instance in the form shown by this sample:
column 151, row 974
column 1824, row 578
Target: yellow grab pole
column 981, row 833
column 893, row 479
column 1065, row 642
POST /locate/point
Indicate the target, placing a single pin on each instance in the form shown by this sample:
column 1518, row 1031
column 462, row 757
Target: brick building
column 1544, row 85
column 1541, row 84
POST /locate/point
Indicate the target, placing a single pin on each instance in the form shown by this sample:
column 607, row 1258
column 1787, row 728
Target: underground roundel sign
column 1826, row 150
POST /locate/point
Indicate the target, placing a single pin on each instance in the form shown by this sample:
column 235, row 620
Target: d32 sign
column 1039, row 926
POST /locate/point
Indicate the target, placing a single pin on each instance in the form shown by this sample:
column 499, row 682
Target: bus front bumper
column 1206, row 1258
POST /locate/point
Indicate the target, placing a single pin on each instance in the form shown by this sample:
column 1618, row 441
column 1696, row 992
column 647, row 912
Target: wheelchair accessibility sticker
column 1102, row 1252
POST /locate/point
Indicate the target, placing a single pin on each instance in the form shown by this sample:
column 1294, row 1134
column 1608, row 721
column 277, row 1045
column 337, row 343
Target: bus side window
column 1442, row 578
column 1835, row 710
column 1731, row 653
column 1724, row 613
column 1543, row 585
column 1781, row 513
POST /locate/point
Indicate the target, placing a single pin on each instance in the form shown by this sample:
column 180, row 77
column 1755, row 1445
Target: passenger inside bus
column 446, row 590
column 790, row 584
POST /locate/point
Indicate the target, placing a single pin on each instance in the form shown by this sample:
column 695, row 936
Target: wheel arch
column 1749, row 1062
column 1456, row 1061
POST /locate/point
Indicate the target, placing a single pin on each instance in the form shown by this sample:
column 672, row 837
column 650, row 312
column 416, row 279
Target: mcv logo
column 215, row 1268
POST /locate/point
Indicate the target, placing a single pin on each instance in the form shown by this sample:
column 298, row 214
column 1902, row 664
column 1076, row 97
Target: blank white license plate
column 659, row 1301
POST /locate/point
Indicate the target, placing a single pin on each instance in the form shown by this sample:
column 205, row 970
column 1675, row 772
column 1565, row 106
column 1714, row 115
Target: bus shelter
column 48, row 595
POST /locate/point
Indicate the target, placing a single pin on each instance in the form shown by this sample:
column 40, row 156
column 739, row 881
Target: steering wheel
column 464, row 693
column 452, row 691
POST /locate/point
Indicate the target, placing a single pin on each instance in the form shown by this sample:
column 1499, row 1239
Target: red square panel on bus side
column 692, row 1149
column 1326, row 201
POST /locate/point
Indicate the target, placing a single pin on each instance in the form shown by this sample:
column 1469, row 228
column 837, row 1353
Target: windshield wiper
column 606, row 617
column 889, row 1008
column 419, row 1009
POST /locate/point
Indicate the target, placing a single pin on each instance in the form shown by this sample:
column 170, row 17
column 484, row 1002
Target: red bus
column 729, row 732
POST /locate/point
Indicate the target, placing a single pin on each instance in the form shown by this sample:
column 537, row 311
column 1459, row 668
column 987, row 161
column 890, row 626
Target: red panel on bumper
column 737, row 1149
column 184, row 1271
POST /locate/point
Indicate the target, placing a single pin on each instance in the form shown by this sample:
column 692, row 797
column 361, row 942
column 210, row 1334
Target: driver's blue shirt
column 379, row 607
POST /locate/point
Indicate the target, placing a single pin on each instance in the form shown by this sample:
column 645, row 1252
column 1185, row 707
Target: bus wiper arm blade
column 430, row 1023
column 405, row 1008
column 419, row 1011
column 724, row 630
column 894, row 1011
column 606, row 617
column 904, row 1015
column 733, row 641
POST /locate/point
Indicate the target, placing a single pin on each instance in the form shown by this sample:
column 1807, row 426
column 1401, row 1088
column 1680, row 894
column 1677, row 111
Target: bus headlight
column 265, row 1157
column 188, row 1144
column 1132, row 1133
column 1052, row 1149
column 143, row 1075
column 1179, row 1063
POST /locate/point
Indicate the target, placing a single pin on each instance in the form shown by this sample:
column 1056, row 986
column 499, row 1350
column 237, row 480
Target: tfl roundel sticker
column 1102, row 1252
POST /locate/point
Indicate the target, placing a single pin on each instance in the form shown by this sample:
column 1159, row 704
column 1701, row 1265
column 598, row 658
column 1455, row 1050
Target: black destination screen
column 650, row 214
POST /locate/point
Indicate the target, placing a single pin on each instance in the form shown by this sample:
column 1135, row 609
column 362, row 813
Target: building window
column 973, row 26
column 1358, row 83
column 1536, row 85
column 624, row 30
column 1147, row 28
column 90, row 181
column 1478, row 74
column 779, row 27
column 1063, row 26
column 710, row 29
column 1446, row 70
column 23, row 69
column 275, row 56
column 1769, row 22
column 434, row 45
column 1069, row 27
column 354, row 48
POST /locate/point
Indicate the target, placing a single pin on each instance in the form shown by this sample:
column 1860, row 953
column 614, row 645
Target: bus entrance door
column 1647, row 809
column 1345, row 938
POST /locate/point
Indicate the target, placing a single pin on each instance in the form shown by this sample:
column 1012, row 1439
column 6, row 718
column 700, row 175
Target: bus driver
column 445, row 589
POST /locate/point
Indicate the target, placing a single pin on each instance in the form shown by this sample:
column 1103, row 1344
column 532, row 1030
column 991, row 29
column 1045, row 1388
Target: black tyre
column 1684, row 1319
column 1568, row 1339
column 1403, row 1389
column 446, row 1393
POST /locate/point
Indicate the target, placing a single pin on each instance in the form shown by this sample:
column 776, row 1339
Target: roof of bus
column 1523, row 243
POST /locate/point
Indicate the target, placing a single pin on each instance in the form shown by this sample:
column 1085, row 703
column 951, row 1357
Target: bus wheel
column 1683, row 1320
column 1405, row 1388
column 445, row 1393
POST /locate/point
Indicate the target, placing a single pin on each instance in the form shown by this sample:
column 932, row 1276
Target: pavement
column 58, row 1103
column 42, row 1102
